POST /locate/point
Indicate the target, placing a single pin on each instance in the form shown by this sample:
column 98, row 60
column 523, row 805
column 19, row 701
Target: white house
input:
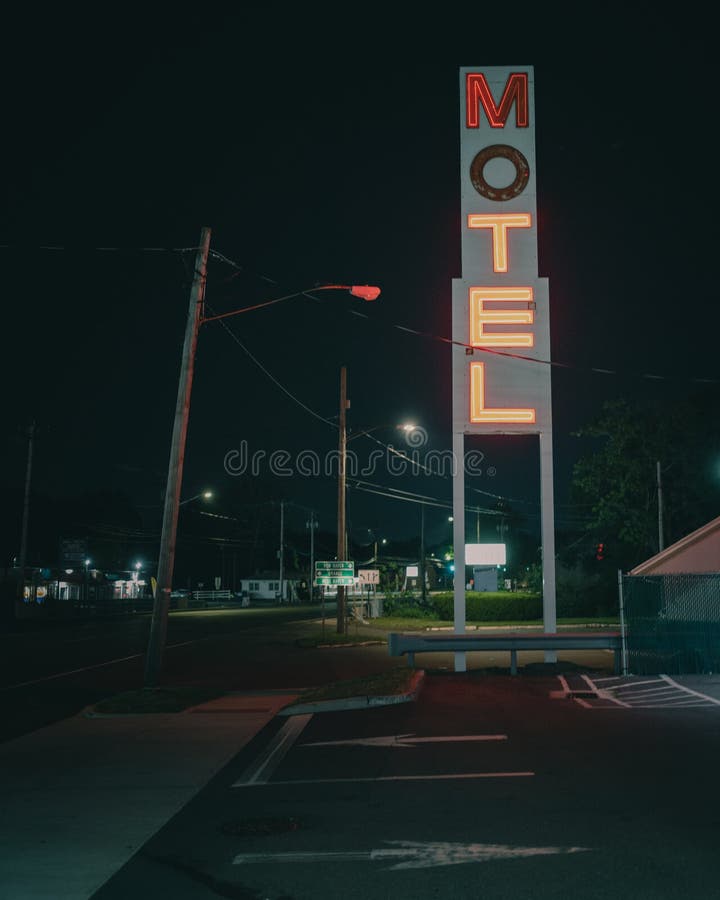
column 268, row 588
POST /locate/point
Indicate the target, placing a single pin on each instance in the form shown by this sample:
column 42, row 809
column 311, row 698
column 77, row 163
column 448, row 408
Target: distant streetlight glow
column 203, row 495
column 403, row 426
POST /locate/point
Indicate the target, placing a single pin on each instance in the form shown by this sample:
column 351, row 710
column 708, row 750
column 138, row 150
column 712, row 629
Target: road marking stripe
column 459, row 776
column 601, row 693
column 409, row 854
column 650, row 692
column 265, row 765
column 20, row 684
column 671, row 706
column 405, row 740
column 675, row 697
column 617, row 687
column 110, row 662
column 690, row 690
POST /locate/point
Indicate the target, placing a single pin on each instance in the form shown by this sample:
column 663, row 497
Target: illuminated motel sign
column 500, row 304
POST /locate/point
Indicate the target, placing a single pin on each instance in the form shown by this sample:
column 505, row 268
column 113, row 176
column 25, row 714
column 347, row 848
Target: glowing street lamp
column 206, row 495
column 366, row 292
column 407, row 427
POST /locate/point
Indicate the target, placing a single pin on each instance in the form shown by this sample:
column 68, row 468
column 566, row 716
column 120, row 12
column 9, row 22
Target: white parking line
column 680, row 705
column 455, row 777
column 601, row 693
column 661, row 692
column 265, row 765
column 690, row 690
column 645, row 692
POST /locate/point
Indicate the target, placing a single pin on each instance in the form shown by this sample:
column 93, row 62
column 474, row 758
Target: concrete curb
column 361, row 702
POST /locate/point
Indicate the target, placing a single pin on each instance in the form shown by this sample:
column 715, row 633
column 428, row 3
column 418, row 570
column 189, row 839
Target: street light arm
column 357, row 434
column 366, row 292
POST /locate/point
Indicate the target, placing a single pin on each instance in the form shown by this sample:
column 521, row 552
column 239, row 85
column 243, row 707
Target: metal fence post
column 623, row 635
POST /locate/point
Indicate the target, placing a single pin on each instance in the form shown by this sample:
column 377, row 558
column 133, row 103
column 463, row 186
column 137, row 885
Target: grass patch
column 155, row 700
column 381, row 684
column 317, row 637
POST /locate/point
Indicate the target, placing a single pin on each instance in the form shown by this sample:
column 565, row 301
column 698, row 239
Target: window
column 253, row 586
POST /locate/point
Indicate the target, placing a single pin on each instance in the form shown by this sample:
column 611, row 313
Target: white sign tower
column 500, row 322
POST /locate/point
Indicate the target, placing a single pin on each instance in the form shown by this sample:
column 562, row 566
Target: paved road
column 50, row 674
column 486, row 787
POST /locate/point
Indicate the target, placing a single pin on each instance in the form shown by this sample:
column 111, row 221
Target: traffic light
column 600, row 552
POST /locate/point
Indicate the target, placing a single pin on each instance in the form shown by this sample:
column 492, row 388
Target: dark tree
column 617, row 475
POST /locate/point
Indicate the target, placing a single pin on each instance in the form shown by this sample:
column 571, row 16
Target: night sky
column 323, row 160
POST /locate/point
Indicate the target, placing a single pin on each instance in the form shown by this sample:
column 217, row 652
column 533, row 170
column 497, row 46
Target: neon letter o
column 516, row 187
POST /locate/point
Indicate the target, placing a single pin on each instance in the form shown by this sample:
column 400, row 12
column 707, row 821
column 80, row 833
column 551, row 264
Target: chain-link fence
column 672, row 623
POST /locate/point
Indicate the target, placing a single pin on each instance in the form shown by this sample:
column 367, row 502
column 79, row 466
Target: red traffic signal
column 600, row 552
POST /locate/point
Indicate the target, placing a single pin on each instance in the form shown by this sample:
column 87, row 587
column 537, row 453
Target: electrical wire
column 220, row 257
column 545, row 362
column 272, row 378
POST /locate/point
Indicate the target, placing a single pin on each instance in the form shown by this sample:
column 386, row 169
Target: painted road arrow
column 412, row 854
column 406, row 740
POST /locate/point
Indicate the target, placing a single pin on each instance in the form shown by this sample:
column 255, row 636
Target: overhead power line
column 220, row 257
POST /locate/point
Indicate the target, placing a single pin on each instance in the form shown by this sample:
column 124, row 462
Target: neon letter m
column 477, row 92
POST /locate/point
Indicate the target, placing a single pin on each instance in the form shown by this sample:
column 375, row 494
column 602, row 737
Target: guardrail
column 410, row 643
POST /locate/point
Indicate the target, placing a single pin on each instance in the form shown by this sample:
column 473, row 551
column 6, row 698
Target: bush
column 582, row 594
column 491, row 606
column 407, row 606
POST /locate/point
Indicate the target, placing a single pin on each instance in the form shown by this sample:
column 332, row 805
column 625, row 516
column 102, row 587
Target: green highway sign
column 335, row 568
column 334, row 581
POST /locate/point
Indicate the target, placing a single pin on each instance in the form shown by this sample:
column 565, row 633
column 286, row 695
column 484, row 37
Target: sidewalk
column 80, row 797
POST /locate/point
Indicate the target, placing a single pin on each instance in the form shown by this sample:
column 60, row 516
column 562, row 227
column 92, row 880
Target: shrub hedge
column 491, row 606
column 505, row 606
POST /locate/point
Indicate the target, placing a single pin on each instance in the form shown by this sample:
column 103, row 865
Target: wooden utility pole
column 312, row 524
column 423, row 587
column 166, row 561
column 281, row 554
column 342, row 458
column 661, row 530
column 26, row 513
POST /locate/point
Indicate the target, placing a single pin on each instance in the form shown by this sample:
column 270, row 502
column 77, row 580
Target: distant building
column 54, row 592
column 697, row 553
column 267, row 587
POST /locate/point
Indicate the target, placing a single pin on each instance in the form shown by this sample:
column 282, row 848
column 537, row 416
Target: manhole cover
column 260, row 826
